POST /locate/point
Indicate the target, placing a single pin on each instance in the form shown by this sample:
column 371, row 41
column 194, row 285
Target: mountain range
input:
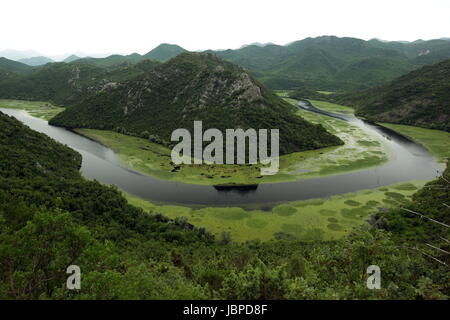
column 335, row 64
column 384, row 81
column 323, row 63
column 36, row 61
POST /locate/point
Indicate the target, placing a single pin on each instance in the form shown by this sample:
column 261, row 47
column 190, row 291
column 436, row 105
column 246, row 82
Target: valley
column 322, row 218
column 362, row 149
column 89, row 176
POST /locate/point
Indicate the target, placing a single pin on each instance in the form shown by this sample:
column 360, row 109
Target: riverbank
column 436, row 141
column 309, row 220
column 38, row 109
column 328, row 218
column 362, row 150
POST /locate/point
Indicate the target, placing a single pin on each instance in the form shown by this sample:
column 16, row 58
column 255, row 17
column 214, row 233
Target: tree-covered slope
column 65, row 83
column 433, row 202
column 7, row 65
column 50, row 218
column 195, row 86
column 421, row 98
column 335, row 64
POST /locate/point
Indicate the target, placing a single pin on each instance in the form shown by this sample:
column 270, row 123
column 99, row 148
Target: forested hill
column 65, row 83
column 420, row 98
column 11, row 66
column 164, row 52
column 50, row 218
column 335, row 64
column 194, row 86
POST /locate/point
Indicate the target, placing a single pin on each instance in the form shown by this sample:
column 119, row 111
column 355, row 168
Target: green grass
column 436, row 141
column 283, row 93
column 309, row 220
column 39, row 109
column 325, row 92
column 329, row 106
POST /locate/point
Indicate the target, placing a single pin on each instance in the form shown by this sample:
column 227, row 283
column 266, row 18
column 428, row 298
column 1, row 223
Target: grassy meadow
column 308, row 220
column 38, row 109
column 436, row 141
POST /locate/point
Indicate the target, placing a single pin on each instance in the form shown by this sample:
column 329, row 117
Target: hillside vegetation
column 52, row 218
column 65, row 83
column 420, row 98
column 335, row 64
column 11, row 66
column 194, row 86
column 324, row 63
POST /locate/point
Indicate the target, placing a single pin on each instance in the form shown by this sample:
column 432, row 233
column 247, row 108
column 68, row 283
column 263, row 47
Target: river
column 408, row 161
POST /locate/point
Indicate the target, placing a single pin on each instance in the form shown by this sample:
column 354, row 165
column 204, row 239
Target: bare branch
column 448, row 241
column 445, row 179
column 425, row 217
column 426, row 254
column 442, row 250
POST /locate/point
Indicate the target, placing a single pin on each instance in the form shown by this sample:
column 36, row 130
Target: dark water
column 410, row 161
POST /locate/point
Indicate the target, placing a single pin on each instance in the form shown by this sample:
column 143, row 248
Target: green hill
column 7, row 65
column 335, row 64
column 71, row 58
column 420, row 98
column 112, row 61
column 164, row 52
column 65, row 83
column 194, row 86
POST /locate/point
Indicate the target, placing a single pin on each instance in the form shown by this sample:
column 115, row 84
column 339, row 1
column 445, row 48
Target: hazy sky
column 96, row 26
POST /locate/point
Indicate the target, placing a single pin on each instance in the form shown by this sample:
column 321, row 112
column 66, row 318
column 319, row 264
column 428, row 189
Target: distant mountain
column 259, row 44
column 18, row 54
column 7, row 65
column 36, row 61
column 437, row 49
column 71, row 58
column 164, row 52
column 194, row 86
column 324, row 63
column 335, row 64
column 420, row 98
column 113, row 60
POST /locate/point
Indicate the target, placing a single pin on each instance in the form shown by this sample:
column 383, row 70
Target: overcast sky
column 96, row 26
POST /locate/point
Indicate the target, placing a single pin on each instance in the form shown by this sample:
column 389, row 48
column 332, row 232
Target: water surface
column 409, row 161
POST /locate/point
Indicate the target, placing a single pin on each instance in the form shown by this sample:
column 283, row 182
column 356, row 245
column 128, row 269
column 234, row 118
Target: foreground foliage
column 50, row 217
